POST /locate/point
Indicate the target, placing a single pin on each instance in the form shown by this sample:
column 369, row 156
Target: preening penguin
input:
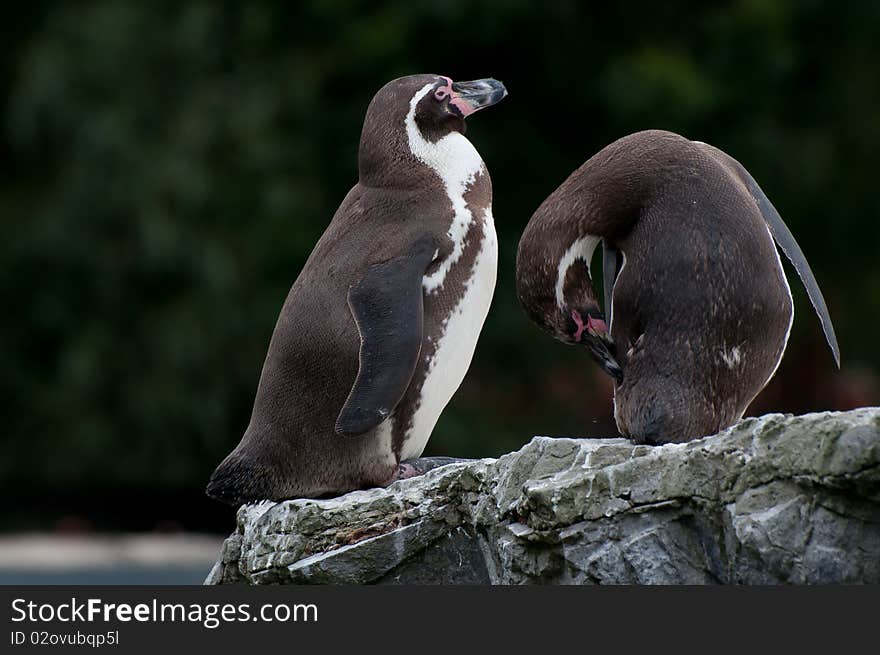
column 698, row 306
column 379, row 328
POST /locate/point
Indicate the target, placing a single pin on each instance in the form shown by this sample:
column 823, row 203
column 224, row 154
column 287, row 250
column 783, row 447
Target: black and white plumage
column 379, row 328
column 698, row 306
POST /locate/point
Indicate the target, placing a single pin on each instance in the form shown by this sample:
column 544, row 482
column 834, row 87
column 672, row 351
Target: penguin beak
column 602, row 349
column 468, row 97
column 594, row 335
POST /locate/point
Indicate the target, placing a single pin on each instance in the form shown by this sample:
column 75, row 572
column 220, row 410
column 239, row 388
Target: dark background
column 166, row 168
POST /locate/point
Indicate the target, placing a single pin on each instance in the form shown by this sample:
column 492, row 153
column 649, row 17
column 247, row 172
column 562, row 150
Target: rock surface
column 775, row 499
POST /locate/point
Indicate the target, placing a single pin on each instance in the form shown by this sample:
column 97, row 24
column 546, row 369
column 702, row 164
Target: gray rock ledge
column 775, row 499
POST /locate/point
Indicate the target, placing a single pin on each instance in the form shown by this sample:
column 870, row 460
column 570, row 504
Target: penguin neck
column 452, row 156
column 600, row 200
column 596, row 200
column 553, row 273
column 384, row 160
column 392, row 156
column 607, row 194
column 457, row 163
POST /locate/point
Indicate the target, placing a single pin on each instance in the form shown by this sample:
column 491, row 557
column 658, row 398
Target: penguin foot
column 412, row 468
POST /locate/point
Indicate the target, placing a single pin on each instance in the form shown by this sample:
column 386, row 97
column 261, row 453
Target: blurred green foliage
column 167, row 168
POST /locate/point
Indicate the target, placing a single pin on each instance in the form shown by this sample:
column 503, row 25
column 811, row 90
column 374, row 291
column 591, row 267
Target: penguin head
column 581, row 322
column 589, row 329
column 447, row 103
column 441, row 105
column 433, row 105
column 566, row 306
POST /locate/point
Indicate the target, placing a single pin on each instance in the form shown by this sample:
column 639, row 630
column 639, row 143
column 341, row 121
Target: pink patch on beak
column 596, row 326
column 455, row 99
column 463, row 107
column 580, row 325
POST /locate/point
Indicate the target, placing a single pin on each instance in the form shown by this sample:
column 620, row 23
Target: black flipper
column 610, row 269
column 786, row 241
column 387, row 305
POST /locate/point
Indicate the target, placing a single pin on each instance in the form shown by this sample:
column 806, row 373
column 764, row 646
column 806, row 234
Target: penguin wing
column 387, row 306
column 786, row 241
column 610, row 269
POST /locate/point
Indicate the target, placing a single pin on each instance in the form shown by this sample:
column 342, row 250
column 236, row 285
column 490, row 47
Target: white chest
column 455, row 346
column 458, row 164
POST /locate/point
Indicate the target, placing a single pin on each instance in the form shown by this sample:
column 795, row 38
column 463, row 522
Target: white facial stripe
column 583, row 249
column 457, row 163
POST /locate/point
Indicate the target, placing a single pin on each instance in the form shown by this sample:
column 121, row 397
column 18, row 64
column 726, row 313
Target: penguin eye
column 441, row 93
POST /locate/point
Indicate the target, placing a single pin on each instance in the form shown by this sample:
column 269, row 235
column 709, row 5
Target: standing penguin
column 379, row 328
column 699, row 309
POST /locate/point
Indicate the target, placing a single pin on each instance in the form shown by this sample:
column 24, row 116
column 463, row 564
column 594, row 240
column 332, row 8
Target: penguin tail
column 238, row 481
